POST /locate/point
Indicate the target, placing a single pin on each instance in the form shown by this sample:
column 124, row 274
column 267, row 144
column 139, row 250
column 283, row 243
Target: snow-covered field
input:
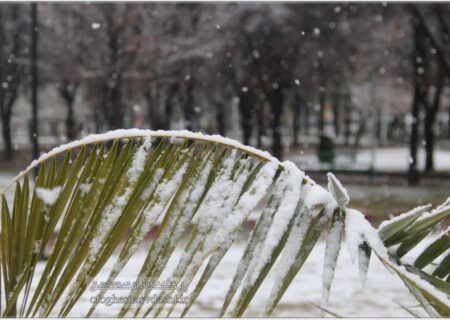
column 382, row 159
column 397, row 159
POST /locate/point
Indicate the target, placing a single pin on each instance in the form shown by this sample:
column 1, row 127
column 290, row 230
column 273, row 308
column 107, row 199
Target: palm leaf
column 424, row 270
column 101, row 196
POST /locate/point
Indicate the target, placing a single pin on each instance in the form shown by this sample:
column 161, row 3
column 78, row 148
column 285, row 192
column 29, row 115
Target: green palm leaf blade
column 443, row 269
column 434, row 250
column 338, row 191
column 248, row 291
column 77, row 215
column 313, row 225
column 172, row 215
column 217, row 256
column 214, row 260
column 29, row 239
column 408, row 310
column 123, row 213
column 241, row 175
column 316, row 212
column 276, row 239
column 421, row 228
column 411, row 241
column 79, row 208
column 332, row 248
column 438, row 283
column 432, row 300
column 195, row 238
column 6, row 235
column 153, row 173
column 393, row 231
column 16, row 254
column 155, row 261
column 257, row 237
column 430, row 220
column 416, row 292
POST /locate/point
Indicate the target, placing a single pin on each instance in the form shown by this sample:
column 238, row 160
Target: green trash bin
column 325, row 149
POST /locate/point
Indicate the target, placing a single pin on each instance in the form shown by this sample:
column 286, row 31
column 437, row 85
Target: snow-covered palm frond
column 102, row 195
column 422, row 254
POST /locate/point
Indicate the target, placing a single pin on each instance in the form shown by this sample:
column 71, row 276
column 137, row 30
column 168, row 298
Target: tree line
column 282, row 65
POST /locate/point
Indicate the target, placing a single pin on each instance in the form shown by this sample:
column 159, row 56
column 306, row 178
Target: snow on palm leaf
column 102, row 195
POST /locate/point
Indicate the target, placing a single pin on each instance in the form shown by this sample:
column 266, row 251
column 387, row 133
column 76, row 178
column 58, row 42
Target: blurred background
column 360, row 89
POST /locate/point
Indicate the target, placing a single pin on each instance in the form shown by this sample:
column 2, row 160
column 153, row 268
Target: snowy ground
column 382, row 159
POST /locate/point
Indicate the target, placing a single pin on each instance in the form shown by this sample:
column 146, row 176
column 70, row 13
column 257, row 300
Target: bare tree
column 12, row 42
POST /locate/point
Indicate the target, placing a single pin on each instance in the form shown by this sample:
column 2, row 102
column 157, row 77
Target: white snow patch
column 248, row 201
column 292, row 179
column 404, row 215
column 358, row 230
column 85, row 187
column 319, row 197
column 139, row 160
column 48, row 196
column 439, row 210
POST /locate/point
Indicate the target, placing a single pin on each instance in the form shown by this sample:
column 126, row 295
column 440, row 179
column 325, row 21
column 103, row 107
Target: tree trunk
column 113, row 84
column 261, row 126
column 156, row 116
column 337, row 115
column 7, row 140
column 114, row 104
column 276, row 102
column 97, row 121
column 360, row 131
column 171, row 93
column 321, row 124
column 189, row 112
column 430, row 118
column 221, row 118
column 413, row 174
column 67, row 91
column 246, row 111
column 306, row 114
column 441, row 52
column 70, row 123
column 296, row 108
column 429, row 142
column 348, row 123
column 419, row 94
column 448, row 122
